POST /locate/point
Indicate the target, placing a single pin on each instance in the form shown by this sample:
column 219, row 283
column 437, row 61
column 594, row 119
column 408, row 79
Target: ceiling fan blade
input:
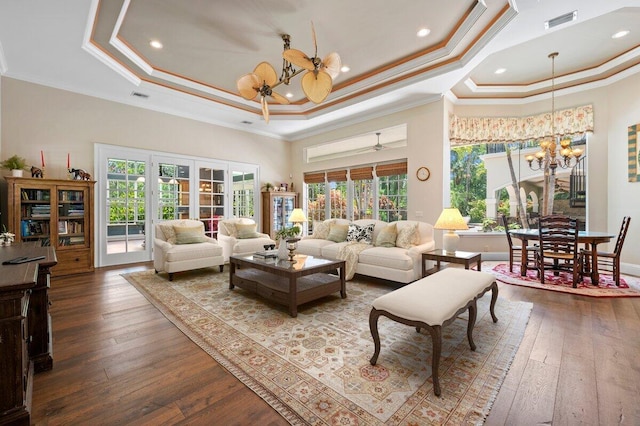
column 332, row 64
column 279, row 98
column 247, row 86
column 266, row 73
column 316, row 85
column 298, row 58
column 265, row 109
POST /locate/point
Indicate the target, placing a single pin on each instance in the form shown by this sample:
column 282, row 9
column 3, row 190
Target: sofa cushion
column 330, row 251
column 183, row 252
column 387, row 257
column 361, row 234
column 387, row 236
column 246, row 230
column 312, row 246
column 189, row 234
column 338, row 232
column 408, row 236
column 321, row 229
column 250, row 245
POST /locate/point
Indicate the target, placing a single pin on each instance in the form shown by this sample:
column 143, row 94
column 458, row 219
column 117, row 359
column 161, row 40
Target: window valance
column 337, row 176
column 474, row 130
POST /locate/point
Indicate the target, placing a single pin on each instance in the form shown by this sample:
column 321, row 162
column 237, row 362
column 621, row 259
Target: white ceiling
column 101, row 48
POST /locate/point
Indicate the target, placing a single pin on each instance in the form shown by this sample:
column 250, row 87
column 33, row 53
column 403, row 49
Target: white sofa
column 233, row 245
column 191, row 250
column 389, row 263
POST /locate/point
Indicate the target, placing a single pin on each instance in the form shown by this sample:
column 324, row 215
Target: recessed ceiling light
column 620, row 34
column 345, row 68
column 155, row 44
column 289, row 95
column 500, row 70
column 423, row 32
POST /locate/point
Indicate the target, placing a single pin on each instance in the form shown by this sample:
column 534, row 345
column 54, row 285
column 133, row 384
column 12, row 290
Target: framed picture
column 63, row 227
column 634, row 154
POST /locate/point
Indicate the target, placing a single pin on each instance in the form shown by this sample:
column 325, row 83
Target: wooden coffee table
column 288, row 283
column 465, row 258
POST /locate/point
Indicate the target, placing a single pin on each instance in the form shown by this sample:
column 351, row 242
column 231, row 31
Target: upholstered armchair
column 181, row 245
column 239, row 237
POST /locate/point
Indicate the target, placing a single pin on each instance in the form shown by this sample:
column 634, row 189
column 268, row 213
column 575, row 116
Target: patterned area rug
column 629, row 286
column 314, row 369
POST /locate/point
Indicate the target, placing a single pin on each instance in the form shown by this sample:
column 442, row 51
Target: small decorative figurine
column 36, row 172
column 79, row 174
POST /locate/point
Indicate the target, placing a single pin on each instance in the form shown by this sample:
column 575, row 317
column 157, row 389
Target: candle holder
column 292, row 245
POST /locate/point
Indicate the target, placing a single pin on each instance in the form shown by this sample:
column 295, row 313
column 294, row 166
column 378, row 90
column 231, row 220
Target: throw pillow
column 321, row 229
column 168, row 232
column 387, row 236
column 189, row 234
column 407, row 236
column 360, row 233
column 338, row 233
column 231, row 229
column 246, row 231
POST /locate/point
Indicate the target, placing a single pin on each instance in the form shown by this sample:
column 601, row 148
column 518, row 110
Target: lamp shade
column 451, row 219
column 297, row 216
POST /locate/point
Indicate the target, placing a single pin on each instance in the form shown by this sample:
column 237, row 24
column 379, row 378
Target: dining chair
column 515, row 251
column 558, row 247
column 608, row 261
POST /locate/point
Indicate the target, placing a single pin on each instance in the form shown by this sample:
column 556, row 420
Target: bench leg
column 373, row 326
column 436, row 338
column 473, row 313
column 494, row 297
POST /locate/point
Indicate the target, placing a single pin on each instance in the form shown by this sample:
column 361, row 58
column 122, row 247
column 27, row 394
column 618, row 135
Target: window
column 361, row 196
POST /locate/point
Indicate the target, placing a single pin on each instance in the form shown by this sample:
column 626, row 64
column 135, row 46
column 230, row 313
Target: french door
column 138, row 188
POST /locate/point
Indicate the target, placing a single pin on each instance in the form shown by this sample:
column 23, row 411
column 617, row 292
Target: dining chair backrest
column 503, row 221
column 622, row 235
column 558, row 233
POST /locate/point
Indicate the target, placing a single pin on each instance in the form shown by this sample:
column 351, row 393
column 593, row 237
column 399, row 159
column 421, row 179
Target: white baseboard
column 630, row 269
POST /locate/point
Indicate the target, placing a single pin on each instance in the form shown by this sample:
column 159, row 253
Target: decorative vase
column 283, row 253
column 16, row 172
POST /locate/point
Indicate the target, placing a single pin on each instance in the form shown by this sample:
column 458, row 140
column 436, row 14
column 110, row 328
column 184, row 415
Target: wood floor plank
column 118, row 360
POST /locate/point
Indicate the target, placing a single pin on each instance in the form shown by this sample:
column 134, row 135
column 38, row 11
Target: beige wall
column 58, row 122
column 34, row 117
column 425, row 127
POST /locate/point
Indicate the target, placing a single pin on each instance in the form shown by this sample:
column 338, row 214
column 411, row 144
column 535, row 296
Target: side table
column 462, row 257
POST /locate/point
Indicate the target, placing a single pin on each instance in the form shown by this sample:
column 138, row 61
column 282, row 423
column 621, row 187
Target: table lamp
column 451, row 220
column 297, row 217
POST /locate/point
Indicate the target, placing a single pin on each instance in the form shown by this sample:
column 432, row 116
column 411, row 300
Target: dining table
column 590, row 239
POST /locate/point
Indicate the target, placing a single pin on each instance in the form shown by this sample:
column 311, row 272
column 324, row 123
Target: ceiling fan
column 317, row 82
column 377, row 147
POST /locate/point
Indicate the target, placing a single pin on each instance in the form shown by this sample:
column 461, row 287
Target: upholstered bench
column 433, row 302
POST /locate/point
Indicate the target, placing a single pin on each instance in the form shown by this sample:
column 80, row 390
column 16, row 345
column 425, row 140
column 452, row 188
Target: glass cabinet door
column 35, row 223
column 71, row 218
column 211, row 198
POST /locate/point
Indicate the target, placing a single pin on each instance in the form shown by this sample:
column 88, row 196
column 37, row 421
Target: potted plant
column 284, row 235
column 6, row 237
column 267, row 187
column 16, row 164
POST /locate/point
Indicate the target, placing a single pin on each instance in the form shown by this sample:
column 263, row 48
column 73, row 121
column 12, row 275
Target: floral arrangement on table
column 287, row 233
column 6, row 237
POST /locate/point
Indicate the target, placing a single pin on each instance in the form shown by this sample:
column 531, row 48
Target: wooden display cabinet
column 276, row 209
column 57, row 213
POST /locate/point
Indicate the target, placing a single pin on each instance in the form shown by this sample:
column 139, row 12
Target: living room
column 37, row 116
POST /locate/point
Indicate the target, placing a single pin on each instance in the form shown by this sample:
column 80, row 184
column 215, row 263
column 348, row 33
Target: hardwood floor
column 117, row 360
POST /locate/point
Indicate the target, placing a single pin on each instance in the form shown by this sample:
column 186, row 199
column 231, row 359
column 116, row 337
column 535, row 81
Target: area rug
column 629, row 286
column 314, row 369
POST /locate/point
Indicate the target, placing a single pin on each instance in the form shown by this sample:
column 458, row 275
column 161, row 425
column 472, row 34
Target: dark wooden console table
column 25, row 327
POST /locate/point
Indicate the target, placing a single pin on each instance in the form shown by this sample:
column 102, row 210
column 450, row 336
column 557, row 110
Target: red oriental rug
column 629, row 286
